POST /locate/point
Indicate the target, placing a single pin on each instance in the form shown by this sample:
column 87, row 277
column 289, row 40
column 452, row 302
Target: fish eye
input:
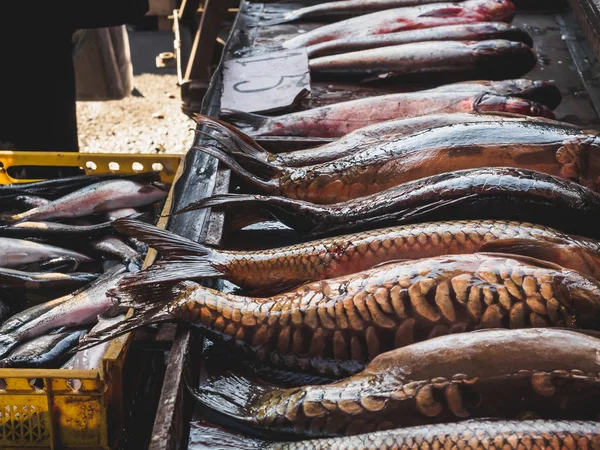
column 535, row 110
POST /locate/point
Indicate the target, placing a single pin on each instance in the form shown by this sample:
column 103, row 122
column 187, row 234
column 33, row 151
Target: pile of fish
column 445, row 288
column 59, row 255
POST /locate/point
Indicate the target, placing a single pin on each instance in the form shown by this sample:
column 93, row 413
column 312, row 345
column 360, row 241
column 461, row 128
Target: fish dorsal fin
column 544, row 251
column 527, row 260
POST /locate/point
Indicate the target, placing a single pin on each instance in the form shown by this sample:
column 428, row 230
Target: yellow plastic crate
column 51, row 414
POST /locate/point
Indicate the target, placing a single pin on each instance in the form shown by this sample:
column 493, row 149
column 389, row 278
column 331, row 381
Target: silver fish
column 97, row 198
column 43, row 351
column 81, row 309
column 18, row 252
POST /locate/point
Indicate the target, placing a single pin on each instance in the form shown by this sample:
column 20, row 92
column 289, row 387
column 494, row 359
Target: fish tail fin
column 145, row 314
column 248, row 120
column 256, row 177
column 207, row 435
column 243, row 143
column 230, row 395
column 279, row 19
column 181, row 258
column 294, row 213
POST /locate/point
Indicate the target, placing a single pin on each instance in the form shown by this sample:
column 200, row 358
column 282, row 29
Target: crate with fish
column 426, row 193
column 59, row 255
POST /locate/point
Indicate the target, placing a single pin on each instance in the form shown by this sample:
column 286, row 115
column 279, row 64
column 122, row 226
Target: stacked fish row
column 491, row 225
column 57, row 243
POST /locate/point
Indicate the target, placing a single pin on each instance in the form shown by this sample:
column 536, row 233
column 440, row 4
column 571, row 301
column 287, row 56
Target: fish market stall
column 60, row 256
column 384, row 234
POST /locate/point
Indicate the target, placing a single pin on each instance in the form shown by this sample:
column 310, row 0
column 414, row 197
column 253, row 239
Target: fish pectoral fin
column 526, row 259
column 443, row 12
column 102, row 206
column 539, row 250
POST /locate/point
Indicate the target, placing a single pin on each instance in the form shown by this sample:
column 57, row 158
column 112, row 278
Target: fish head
column 581, row 300
column 501, row 58
column 513, row 105
column 589, row 147
column 497, row 10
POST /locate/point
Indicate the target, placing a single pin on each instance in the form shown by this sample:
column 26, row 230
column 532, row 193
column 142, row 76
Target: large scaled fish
column 376, row 134
column 335, row 326
column 465, row 32
column 465, row 60
column 502, row 193
column 340, row 119
column 469, row 434
column 16, row 253
column 399, row 19
column 79, row 310
column 370, row 136
column 97, row 198
column 277, row 268
column 494, row 373
column 552, row 148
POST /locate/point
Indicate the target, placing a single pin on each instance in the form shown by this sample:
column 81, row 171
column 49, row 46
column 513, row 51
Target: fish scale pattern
column 474, row 435
column 336, row 326
column 341, row 255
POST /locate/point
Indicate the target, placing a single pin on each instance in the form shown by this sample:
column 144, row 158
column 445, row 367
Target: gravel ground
column 150, row 121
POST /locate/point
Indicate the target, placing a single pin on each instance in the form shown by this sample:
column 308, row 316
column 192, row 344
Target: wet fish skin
column 21, row 318
column 366, row 137
column 10, row 278
column 493, row 373
column 278, row 268
column 62, row 186
column 345, row 8
column 472, row 434
column 82, row 309
column 16, row 253
column 340, row 119
column 97, row 198
column 557, row 150
column 399, row 19
column 465, row 32
column 334, row 327
column 467, row 60
column 498, row 193
column 43, row 351
column 92, row 358
column 51, row 230
column 114, row 246
column 544, row 92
